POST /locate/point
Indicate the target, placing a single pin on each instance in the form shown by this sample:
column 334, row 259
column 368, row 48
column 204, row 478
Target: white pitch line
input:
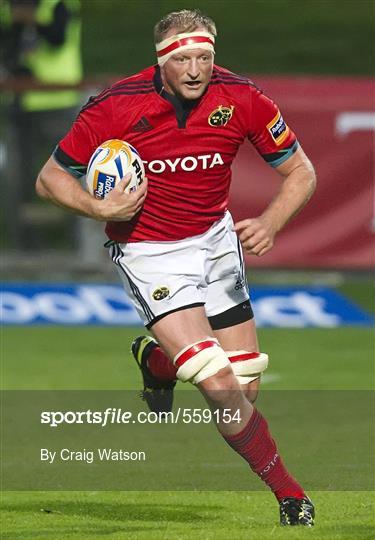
column 270, row 378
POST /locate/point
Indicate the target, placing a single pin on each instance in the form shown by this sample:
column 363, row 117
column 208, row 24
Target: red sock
column 160, row 365
column 255, row 444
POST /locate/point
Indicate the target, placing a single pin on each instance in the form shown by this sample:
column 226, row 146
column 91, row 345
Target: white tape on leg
column 200, row 360
column 247, row 366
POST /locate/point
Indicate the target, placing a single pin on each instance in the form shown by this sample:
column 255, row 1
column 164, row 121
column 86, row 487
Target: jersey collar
column 182, row 107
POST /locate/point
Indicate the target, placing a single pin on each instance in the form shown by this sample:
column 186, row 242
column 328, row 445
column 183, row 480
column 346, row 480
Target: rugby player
column 177, row 250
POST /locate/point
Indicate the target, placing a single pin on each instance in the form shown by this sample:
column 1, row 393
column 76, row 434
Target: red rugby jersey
column 188, row 148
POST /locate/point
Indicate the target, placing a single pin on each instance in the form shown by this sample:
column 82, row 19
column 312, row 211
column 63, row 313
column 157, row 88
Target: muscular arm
column 298, row 184
column 62, row 189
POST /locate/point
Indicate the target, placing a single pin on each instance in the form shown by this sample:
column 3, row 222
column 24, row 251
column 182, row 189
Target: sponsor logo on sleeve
column 278, row 129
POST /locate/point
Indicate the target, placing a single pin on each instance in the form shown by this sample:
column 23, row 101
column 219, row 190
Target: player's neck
column 176, row 100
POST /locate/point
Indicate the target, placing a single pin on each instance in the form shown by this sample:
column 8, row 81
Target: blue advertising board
column 87, row 304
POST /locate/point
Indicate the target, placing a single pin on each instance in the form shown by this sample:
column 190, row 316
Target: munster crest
column 221, row 116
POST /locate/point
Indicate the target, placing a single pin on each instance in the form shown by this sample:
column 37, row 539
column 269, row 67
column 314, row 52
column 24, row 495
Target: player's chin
column 193, row 92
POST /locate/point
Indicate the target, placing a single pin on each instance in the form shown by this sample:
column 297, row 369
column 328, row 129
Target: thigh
column 241, row 336
column 181, row 328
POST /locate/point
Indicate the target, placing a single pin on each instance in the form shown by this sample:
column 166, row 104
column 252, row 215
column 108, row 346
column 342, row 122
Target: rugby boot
column 295, row 511
column 158, row 394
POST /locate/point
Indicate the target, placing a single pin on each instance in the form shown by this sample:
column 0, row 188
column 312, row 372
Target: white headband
column 180, row 42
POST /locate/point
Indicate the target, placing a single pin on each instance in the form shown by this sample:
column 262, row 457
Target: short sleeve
column 92, row 127
column 268, row 132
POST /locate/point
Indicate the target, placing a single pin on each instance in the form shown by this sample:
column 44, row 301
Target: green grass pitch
column 98, row 358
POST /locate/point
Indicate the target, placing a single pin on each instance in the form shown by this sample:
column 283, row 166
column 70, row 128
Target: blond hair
column 186, row 20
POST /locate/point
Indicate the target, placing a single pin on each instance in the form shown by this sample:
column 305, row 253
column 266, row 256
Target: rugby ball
column 110, row 162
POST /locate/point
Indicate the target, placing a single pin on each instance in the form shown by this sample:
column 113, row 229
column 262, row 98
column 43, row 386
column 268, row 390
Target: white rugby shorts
column 162, row 277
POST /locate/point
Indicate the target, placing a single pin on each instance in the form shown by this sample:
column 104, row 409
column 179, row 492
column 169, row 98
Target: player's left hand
column 256, row 235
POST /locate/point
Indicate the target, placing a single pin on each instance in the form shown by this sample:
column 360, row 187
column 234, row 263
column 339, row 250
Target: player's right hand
column 256, row 235
column 121, row 206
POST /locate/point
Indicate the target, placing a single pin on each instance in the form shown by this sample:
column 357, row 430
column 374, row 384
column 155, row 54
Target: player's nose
column 193, row 69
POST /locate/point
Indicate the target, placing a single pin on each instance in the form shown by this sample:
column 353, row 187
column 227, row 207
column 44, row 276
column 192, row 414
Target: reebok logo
column 142, row 126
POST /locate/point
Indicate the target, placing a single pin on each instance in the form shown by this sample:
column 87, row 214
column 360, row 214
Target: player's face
column 186, row 74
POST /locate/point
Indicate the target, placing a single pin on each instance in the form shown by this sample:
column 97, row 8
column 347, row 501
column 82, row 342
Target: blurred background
column 314, row 58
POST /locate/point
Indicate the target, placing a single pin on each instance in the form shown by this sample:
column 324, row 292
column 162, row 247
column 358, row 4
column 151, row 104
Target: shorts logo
column 220, row 116
column 240, row 283
column 160, row 293
column 278, row 129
